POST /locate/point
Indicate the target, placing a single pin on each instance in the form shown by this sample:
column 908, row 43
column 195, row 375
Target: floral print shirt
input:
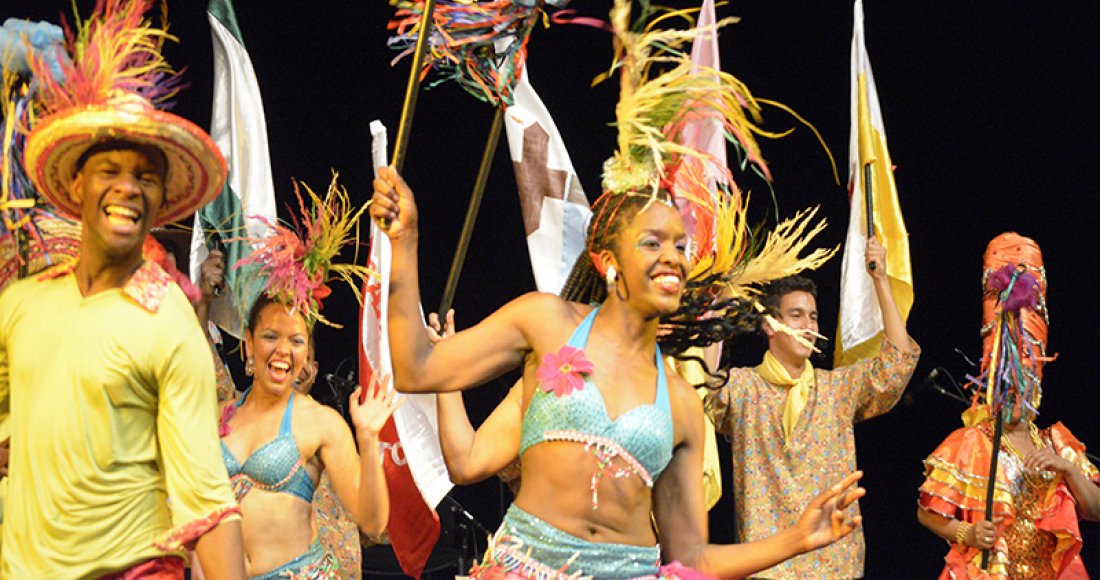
column 774, row 479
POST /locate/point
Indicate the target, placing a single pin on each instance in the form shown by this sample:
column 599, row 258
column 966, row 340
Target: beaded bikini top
column 275, row 466
column 641, row 438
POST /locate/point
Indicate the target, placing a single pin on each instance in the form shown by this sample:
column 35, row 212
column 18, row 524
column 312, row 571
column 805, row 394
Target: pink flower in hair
column 563, row 372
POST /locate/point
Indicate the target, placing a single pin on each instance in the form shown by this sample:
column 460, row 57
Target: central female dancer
column 608, row 434
column 276, row 444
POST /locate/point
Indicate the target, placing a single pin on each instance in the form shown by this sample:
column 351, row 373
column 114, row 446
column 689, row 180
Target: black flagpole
column 998, row 433
column 471, row 211
column 868, row 194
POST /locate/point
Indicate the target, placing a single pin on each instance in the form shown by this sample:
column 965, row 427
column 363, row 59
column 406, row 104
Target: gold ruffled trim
column 967, row 485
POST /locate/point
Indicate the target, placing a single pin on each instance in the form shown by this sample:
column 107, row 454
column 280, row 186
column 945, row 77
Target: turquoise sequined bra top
column 641, row 438
column 275, row 466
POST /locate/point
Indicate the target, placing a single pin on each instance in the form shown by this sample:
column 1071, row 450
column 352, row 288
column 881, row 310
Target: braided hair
column 691, row 325
column 610, row 214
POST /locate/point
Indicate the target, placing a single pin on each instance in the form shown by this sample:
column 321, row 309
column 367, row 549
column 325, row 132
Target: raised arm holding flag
column 588, row 488
column 791, row 425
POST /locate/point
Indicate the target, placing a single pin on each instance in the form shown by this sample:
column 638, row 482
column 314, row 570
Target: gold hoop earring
column 249, row 367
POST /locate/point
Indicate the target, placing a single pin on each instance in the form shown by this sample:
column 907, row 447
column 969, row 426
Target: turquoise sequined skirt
column 527, row 546
column 315, row 564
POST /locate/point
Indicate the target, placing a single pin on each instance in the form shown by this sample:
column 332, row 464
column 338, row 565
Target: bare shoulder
column 318, row 418
column 548, row 311
column 542, row 304
column 683, row 398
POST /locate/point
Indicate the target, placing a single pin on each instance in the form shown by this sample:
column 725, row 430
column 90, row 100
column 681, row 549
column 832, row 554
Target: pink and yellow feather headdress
column 295, row 264
column 662, row 93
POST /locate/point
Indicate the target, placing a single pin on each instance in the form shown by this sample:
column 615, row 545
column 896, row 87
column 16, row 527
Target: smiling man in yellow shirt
column 106, row 382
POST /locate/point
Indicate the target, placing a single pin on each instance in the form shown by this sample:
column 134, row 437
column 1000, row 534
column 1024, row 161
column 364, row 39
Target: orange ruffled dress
column 1038, row 536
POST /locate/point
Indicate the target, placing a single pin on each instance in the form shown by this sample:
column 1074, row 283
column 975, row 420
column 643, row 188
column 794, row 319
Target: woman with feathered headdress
column 609, row 435
column 275, row 444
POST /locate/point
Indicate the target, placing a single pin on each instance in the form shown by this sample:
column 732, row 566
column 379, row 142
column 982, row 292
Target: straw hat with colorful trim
column 111, row 86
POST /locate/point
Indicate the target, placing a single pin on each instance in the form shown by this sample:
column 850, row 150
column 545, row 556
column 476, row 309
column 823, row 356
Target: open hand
column 393, row 207
column 827, row 519
column 379, row 402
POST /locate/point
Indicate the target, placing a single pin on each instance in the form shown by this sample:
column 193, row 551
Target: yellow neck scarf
column 775, row 373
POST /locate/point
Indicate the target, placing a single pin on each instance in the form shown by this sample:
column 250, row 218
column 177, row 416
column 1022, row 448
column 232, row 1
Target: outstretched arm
column 497, row 344
column 682, row 523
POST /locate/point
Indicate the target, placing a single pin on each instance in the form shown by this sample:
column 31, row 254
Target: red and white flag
column 416, row 475
column 555, row 209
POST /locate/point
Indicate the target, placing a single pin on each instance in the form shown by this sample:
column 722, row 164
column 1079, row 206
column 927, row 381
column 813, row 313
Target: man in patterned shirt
column 791, row 424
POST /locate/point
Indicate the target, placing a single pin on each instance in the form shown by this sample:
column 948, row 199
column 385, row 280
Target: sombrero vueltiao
column 111, row 98
column 196, row 169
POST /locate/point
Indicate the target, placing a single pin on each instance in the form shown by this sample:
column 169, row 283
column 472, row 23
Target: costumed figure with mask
column 1044, row 482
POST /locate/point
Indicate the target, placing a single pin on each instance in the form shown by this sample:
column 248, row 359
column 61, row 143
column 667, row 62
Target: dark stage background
column 990, row 114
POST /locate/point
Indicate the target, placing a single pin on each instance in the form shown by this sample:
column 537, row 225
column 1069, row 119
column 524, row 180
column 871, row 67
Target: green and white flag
column 239, row 129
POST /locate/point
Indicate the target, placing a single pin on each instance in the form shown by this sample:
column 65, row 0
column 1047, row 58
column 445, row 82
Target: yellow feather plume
column 780, row 255
column 652, row 109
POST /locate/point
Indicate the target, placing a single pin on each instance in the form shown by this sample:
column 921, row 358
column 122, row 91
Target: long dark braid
column 584, row 284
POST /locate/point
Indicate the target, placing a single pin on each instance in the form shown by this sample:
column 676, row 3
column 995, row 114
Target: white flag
column 555, row 209
column 239, row 129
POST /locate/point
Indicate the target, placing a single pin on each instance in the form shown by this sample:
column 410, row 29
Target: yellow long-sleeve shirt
column 112, row 412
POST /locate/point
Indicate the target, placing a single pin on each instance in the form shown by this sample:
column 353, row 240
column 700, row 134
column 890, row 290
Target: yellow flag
column 859, row 329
